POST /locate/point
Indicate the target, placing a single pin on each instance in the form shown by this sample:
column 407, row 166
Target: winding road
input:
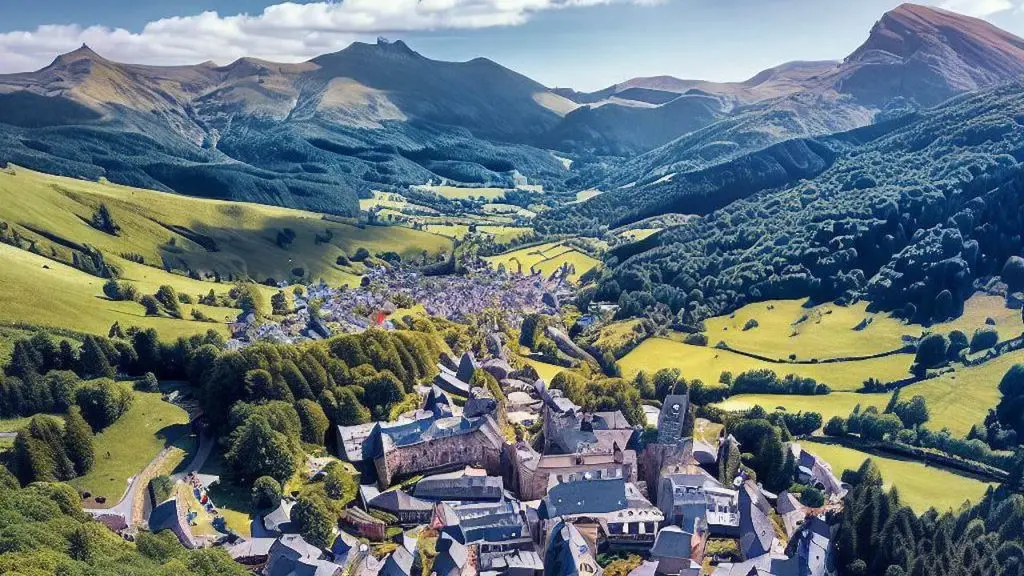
column 132, row 504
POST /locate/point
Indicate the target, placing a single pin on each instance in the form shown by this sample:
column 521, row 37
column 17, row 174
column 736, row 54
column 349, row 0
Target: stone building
column 531, row 474
column 430, row 443
column 608, row 510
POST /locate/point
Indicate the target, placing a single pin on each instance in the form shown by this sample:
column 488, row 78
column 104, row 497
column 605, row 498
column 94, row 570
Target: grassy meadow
column 786, row 327
column 920, row 487
column 637, row 234
column 232, row 238
column 708, row 363
column 128, row 445
column 545, row 258
column 37, row 290
column 834, row 404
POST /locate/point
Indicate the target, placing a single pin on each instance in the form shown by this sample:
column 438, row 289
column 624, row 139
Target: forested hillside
column 909, row 220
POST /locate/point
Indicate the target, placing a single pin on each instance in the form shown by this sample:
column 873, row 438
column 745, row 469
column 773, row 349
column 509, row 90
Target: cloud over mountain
column 287, row 31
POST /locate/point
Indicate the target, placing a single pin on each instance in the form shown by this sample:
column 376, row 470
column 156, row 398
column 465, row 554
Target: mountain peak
column 81, row 53
column 910, row 29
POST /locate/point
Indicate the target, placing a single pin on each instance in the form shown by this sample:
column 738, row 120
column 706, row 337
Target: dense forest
column 878, row 534
column 909, row 221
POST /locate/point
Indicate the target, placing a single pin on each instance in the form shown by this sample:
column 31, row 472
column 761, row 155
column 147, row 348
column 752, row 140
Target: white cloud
column 979, row 8
column 285, row 32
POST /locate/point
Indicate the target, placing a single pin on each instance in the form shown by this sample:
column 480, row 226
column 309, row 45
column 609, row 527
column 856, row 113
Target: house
column 361, row 523
column 792, row 511
column 407, row 509
column 251, row 552
column 814, row 471
column 399, row 563
column 569, row 553
column 685, row 499
column 511, row 563
column 453, row 558
column 290, row 555
column 532, row 473
column 757, row 534
column 611, row 507
column 678, row 552
column 468, row 485
column 279, row 520
column 492, row 527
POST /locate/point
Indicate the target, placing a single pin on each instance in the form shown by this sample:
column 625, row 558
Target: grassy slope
column 62, row 296
column 707, row 364
column 826, row 333
column 245, row 234
column 921, row 487
column 128, row 445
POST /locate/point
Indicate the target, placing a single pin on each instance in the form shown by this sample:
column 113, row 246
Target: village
column 320, row 311
column 444, row 490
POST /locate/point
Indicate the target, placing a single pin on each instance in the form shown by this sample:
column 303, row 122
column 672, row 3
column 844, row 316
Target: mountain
column 311, row 135
column 928, row 55
column 914, row 57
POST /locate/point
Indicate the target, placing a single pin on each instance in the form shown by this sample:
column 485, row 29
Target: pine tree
column 93, row 362
column 350, row 410
column 78, row 441
column 314, row 421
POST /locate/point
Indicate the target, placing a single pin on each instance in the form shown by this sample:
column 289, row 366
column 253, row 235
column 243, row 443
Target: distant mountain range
column 320, row 133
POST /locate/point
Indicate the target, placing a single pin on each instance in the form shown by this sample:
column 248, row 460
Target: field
column 638, row 233
column 834, row 404
column 545, row 258
column 921, row 487
column 232, row 238
column 458, row 193
column 15, row 424
column 962, row 398
column 507, row 209
column 545, row 370
column 584, row 195
column 617, row 336
column 501, row 234
column 707, row 364
column 393, row 201
column 128, row 445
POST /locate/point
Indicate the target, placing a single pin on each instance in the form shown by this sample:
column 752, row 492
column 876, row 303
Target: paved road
column 128, row 504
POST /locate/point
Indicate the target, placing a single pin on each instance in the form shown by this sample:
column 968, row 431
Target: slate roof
column 460, row 487
column 505, row 561
column 279, row 519
column 252, row 548
column 467, row 365
column 164, row 516
column 599, row 496
column 290, row 555
column 397, row 500
column 672, row 542
column 452, row 384
column 672, row 418
column 567, row 550
column 452, row 557
column 399, row 563
column 756, row 530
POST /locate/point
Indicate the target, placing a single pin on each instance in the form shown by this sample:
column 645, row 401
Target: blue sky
column 584, row 44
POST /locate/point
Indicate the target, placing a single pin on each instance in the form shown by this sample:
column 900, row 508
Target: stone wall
column 451, row 452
